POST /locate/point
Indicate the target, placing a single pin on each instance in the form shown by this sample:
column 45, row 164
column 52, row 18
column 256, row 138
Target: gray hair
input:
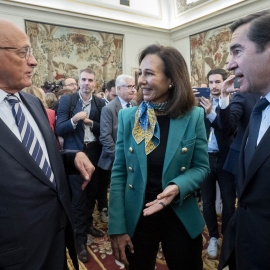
column 121, row 80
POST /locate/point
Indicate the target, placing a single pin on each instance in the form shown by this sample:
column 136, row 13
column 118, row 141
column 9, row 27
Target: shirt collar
column 89, row 100
column 3, row 95
column 123, row 102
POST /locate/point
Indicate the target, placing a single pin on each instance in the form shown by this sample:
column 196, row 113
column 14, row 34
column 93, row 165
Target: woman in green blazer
column 161, row 159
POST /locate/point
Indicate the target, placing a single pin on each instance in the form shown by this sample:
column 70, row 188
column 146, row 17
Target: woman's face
column 152, row 80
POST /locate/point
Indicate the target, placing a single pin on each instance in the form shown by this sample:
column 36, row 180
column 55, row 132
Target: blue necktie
column 128, row 105
column 254, row 127
column 29, row 138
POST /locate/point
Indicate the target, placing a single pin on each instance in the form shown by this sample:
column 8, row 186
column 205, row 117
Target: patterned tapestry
column 62, row 52
column 209, row 50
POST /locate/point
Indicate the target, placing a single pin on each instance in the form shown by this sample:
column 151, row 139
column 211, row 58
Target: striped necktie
column 29, row 138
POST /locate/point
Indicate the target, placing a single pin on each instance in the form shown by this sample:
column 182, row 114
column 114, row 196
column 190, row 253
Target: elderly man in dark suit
column 246, row 242
column 35, row 208
column 80, row 130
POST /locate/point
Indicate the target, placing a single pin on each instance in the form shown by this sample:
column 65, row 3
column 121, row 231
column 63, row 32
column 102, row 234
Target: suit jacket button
column 130, row 168
column 131, row 186
column 130, row 150
column 184, row 150
column 183, row 169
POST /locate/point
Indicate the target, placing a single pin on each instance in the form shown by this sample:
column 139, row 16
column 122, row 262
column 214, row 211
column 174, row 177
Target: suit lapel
column 177, row 130
column 260, row 155
column 118, row 106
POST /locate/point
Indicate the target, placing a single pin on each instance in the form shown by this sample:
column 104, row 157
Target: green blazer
column 186, row 164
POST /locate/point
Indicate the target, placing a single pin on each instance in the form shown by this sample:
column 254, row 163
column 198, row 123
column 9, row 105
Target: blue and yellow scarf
column 146, row 127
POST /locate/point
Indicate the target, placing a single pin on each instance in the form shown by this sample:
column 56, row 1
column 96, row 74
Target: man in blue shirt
column 218, row 148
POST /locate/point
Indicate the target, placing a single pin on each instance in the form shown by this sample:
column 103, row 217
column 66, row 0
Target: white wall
column 135, row 38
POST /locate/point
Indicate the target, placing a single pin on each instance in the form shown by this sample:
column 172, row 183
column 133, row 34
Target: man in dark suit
column 125, row 90
column 218, row 148
column 81, row 131
column 246, row 242
column 234, row 118
column 35, row 209
column 110, row 92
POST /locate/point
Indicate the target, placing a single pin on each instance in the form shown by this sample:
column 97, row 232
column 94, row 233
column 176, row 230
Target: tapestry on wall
column 209, row 50
column 63, row 51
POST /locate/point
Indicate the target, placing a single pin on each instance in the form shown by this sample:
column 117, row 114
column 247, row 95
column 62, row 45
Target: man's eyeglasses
column 129, row 86
column 25, row 52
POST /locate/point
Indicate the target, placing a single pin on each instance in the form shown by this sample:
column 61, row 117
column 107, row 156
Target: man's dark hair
column 220, row 71
column 87, row 70
column 259, row 29
column 110, row 84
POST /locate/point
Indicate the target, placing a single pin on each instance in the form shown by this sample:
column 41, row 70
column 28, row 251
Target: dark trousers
column 83, row 202
column 180, row 251
column 227, row 191
column 103, row 184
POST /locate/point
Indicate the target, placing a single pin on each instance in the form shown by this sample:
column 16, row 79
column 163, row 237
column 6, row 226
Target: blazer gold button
column 183, row 169
column 131, row 186
column 130, row 168
column 184, row 150
column 130, row 150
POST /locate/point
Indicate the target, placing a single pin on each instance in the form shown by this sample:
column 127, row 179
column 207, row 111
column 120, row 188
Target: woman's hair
column 50, row 98
column 181, row 96
column 37, row 92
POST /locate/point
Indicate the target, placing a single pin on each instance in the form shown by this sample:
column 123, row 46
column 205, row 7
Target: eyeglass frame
column 129, row 86
column 28, row 50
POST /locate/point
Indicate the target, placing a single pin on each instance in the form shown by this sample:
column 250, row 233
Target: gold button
column 131, row 186
column 130, row 168
column 183, row 169
column 184, row 150
column 130, row 150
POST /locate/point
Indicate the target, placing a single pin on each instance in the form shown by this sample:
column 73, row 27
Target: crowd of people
column 154, row 143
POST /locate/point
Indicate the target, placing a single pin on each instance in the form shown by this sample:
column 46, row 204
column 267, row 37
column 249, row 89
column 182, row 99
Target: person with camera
column 218, row 148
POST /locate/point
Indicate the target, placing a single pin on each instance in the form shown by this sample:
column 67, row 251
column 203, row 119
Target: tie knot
column 12, row 99
column 261, row 105
column 128, row 105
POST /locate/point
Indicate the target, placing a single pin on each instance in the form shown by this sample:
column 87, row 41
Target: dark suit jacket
column 248, row 231
column 74, row 138
column 35, row 217
column 108, row 132
column 235, row 118
column 223, row 140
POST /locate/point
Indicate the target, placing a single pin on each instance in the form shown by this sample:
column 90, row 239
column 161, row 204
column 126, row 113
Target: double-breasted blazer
column 35, row 216
column 186, row 165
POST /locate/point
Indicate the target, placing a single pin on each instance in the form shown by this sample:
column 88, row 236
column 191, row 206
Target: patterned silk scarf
column 146, row 127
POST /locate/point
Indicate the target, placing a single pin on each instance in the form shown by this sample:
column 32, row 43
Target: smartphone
column 203, row 92
column 236, row 83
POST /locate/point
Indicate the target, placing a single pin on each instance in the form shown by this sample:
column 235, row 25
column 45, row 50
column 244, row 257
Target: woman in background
column 161, row 159
column 39, row 93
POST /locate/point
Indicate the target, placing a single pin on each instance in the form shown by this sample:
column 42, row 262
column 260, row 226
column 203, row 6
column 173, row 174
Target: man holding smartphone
column 218, row 148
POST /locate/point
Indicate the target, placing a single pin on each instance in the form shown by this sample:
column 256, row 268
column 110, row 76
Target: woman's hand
column 163, row 199
column 119, row 243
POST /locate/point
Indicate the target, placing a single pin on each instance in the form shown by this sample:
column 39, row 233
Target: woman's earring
column 171, row 86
